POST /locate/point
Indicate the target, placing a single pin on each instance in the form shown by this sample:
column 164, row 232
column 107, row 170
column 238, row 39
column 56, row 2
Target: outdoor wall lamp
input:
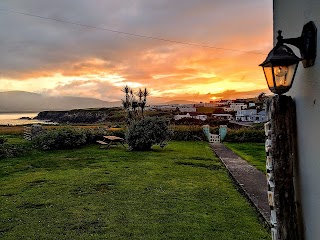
column 281, row 63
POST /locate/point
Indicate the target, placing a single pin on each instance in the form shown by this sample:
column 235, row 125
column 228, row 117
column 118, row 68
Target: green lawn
column 15, row 139
column 180, row 192
column 253, row 153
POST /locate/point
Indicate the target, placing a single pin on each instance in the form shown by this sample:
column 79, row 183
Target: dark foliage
column 84, row 115
column 141, row 135
column 92, row 135
column 245, row 135
column 188, row 133
column 10, row 150
column 2, row 140
column 216, row 122
column 189, row 121
column 64, row 138
column 192, row 121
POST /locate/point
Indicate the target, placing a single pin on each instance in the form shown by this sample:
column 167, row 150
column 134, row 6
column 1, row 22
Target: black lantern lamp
column 281, row 63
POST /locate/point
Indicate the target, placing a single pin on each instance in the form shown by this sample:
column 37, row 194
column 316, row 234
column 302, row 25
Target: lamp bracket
column 307, row 43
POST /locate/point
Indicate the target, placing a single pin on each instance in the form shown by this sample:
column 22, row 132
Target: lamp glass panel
column 269, row 76
column 283, row 75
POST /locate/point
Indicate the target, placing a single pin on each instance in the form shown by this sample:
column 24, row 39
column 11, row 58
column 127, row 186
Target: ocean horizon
column 13, row 119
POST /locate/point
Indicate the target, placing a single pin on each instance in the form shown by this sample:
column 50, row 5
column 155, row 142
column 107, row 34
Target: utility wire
column 128, row 33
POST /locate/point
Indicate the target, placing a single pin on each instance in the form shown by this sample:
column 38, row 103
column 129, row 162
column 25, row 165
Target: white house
column 192, row 115
column 260, row 116
column 223, row 116
column 228, row 109
column 246, row 115
column 238, row 106
column 180, row 116
column 200, row 117
column 290, row 16
column 251, row 104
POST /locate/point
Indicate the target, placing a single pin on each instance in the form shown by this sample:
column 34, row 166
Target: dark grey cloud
column 32, row 47
column 31, row 44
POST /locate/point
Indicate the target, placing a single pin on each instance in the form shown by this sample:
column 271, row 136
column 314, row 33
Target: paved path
column 251, row 181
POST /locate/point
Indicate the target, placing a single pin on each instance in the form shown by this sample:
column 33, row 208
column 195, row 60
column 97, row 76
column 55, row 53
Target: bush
column 189, row 121
column 92, row 135
column 2, row 140
column 10, row 150
column 191, row 133
column 64, row 138
column 245, row 135
column 216, row 122
column 188, row 133
column 141, row 135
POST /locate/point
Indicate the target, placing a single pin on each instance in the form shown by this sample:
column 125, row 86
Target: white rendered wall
column 290, row 16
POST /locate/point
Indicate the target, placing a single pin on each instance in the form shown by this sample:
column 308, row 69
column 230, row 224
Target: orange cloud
column 87, row 62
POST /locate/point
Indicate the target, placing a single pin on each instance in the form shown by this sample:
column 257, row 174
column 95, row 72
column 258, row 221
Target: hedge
column 245, row 135
column 13, row 150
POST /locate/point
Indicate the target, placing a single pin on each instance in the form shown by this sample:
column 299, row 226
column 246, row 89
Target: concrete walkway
column 250, row 181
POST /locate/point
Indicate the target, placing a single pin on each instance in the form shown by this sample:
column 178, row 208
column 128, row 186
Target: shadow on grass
column 200, row 165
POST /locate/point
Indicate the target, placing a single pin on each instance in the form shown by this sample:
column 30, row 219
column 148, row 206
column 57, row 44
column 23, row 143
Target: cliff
column 84, row 115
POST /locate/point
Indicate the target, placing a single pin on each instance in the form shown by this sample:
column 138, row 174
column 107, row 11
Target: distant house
column 251, row 104
column 180, row 116
column 246, row 115
column 223, row 116
column 228, row 109
column 200, row 117
column 237, row 106
column 261, row 116
column 191, row 115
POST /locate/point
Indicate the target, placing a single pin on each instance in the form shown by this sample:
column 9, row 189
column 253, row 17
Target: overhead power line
column 128, row 33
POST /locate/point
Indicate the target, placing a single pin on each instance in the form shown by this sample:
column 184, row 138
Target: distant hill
column 20, row 101
column 180, row 102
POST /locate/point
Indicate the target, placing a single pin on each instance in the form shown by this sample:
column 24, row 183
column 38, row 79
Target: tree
column 143, row 132
column 134, row 103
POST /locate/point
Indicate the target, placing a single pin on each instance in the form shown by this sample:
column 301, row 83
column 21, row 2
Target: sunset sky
column 56, row 58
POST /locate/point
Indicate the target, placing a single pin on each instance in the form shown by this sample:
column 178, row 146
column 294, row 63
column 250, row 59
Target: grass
column 19, row 129
column 15, row 139
column 253, row 153
column 180, row 192
column 12, row 130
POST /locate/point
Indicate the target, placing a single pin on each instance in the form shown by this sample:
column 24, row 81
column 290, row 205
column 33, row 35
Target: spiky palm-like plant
column 134, row 102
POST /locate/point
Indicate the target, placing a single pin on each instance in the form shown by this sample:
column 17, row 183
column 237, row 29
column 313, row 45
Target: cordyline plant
column 134, row 103
column 143, row 132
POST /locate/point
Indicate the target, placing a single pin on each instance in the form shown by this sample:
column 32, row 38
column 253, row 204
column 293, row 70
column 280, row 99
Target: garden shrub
column 188, row 133
column 92, row 135
column 2, row 140
column 189, row 121
column 63, row 138
column 216, row 122
column 142, row 134
column 193, row 121
column 191, row 133
column 13, row 150
column 245, row 135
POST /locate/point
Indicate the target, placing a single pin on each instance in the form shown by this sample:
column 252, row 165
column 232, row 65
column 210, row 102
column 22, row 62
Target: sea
column 13, row 119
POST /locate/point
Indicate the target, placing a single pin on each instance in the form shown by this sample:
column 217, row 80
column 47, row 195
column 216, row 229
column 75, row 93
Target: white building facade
column 237, row 106
column 246, row 115
column 290, row 16
column 223, row 116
